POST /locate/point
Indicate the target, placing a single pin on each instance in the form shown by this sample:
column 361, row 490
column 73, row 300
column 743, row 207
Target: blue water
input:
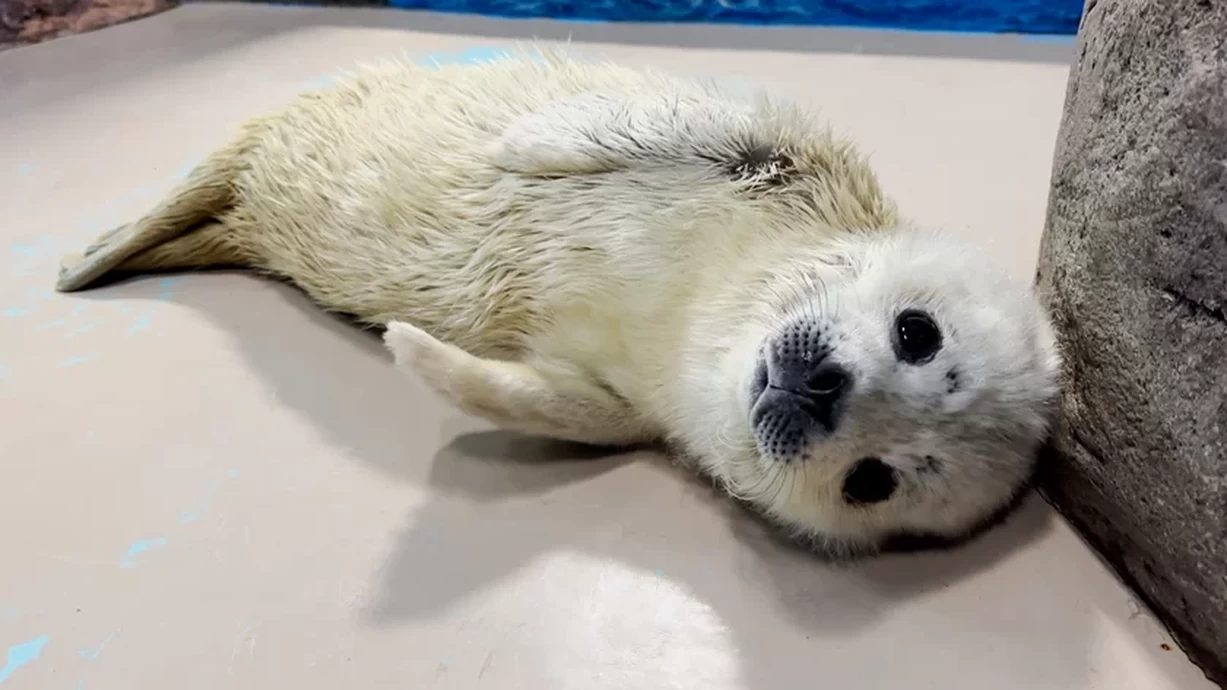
column 979, row 16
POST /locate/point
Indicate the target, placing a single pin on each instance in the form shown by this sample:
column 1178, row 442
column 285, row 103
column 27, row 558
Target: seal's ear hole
column 870, row 481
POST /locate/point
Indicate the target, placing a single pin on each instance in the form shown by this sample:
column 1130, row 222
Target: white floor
column 205, row 483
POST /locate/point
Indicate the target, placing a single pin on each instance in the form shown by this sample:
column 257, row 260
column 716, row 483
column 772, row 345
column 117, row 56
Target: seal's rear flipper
column 193, row 207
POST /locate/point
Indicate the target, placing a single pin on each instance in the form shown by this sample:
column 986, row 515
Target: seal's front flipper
column 557, row 403
column 606, row 131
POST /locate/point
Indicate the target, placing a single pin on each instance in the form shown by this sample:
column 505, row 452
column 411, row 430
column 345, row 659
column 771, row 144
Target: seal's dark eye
column 870, row 481
column 917, row 337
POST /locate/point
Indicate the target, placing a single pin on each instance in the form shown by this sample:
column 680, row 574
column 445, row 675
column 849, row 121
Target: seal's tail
column 185, row 230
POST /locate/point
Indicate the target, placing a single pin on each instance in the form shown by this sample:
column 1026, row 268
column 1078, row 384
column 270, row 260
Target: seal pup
column 613, row 256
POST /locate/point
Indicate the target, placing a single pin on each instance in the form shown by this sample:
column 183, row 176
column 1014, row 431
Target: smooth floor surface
column 207, row 483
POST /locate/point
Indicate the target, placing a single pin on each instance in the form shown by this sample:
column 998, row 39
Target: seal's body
column 613, row 256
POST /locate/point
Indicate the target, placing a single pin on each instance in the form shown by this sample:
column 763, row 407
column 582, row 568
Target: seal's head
column 900, row 387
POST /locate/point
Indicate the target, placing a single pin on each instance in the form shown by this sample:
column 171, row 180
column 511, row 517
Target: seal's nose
column 800, row 391
column 813, row 389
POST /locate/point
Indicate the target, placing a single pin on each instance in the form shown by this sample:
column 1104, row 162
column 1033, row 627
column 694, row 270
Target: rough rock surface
column 1134, row 268
column 31, row 21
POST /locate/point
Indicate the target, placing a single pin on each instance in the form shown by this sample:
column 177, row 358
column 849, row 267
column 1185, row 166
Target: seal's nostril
column 828, row 380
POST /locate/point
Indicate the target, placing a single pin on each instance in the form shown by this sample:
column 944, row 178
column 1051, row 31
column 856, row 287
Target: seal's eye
column 917, row 337
column 870, row 481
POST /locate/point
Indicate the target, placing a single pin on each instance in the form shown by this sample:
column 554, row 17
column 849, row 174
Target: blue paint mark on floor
column 466, row 57
column 89, row 224
column 25, row 169
column 246, row 629
column 26, row 250
column 73, row 361
column 33, row 295
column 322, row 82
column 79, row 330
column 186, row 169
column 167, row 286
column 92, row 654
column 206, row 500
column 22, row 655
column 139, row 547
column 141, row 324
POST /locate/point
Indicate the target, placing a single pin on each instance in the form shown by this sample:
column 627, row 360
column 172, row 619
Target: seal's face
column 904, row 392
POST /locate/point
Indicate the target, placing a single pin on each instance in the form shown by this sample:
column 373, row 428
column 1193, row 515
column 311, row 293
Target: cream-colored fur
column 597, row 253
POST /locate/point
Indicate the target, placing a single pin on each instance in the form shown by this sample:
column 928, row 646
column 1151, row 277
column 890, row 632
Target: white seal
column 615, row 256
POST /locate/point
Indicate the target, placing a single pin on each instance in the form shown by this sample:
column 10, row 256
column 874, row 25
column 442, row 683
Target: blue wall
column 986, row 16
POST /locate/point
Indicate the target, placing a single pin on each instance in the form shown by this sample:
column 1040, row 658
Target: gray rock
column 23, row 22
column 1133, row 266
